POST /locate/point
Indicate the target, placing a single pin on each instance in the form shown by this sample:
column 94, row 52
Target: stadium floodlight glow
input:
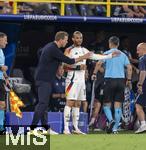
column 13, row 139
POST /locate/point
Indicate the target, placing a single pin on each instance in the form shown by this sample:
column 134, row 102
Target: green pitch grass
column 85, row 142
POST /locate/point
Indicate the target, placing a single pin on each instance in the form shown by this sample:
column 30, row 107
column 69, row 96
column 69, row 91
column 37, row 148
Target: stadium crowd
column 75, row 10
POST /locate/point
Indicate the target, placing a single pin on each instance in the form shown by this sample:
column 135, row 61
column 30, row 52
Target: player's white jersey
column 76, row 75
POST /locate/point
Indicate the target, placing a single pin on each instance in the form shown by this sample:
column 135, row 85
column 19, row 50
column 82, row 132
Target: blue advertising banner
column 55, row 120
column 54, row 18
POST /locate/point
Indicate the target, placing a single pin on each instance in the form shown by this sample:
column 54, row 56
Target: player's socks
column 66, row 117
column 108, row 113
column 75, row 116
column 143, row 123
column 118, row 115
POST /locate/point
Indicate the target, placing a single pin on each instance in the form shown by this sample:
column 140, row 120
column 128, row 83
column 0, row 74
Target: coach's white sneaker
column 77, row 131
column 67, row 132
column 51, row 132
column 141, row 129
column 34, row 132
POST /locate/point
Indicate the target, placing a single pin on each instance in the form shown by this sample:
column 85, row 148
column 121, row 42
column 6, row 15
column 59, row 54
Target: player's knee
column 78, row 104
column 70, row 103
column 138, row 108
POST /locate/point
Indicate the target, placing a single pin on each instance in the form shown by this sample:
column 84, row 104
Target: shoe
column 141, row 129
column 51, row 132
column 34, row 132
column 97, row 129
column 115, row 132
column 91, row 127
column 67, row 132
column 77, row 131
column 110, row 126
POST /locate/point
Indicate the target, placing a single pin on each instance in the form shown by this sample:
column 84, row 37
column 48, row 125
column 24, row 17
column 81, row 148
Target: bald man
column 141, row 101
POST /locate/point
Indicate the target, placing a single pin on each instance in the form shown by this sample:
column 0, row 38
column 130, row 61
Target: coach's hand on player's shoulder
column 116, row 53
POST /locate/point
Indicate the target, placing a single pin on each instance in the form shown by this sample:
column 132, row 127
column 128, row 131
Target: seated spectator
column 71, row 10
column 25, row 8
column 127, row 11
column 6, row 8
column 132, row 11
column 58, row 91
column 143, row 10
column 84, row 10
column 98, row 10
column 40, row 8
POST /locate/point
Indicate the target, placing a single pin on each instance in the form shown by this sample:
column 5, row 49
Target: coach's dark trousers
column 41, row 111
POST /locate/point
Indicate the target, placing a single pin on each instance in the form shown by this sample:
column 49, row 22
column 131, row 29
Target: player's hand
column 2, row 105
column 139, row 88
column 4, row 68
column 83, row 67
column 129, row 84
column 116, row 53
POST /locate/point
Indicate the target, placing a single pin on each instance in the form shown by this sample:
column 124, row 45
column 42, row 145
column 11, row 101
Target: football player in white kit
column 75, row 81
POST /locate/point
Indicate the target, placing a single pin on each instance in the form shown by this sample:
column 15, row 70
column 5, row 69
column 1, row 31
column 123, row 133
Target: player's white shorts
column 75, row 91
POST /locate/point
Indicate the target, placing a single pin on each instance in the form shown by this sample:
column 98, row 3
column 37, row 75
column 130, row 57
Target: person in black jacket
column 50, row 58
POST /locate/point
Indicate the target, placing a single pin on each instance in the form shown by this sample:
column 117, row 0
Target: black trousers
column 41, row 111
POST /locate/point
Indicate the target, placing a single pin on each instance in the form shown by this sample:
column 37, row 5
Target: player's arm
column 142, row 78
column 67, row 66
column 129, row 76
column 76, row 67
column 3, row 68
column 97, row 68
column 104, row 56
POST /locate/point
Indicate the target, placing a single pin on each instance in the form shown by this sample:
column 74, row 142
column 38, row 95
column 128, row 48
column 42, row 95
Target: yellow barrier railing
column 108, row 3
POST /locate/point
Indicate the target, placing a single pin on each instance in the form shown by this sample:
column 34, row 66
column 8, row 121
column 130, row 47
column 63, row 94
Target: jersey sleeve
column 142, row 64
column 127, row 62
column 101, row 57
column 86, row 51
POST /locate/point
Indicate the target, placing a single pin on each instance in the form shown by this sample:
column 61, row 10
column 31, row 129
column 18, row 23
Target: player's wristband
column 139, row 84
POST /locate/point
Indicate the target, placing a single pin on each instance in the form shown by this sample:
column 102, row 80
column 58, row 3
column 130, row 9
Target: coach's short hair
column 2, row 35
column 114, row 40
column 60, row 35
